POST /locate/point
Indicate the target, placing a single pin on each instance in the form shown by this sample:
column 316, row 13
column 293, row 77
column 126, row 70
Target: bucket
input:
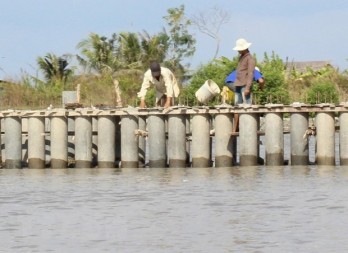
column 207, row 91
column 230, row 96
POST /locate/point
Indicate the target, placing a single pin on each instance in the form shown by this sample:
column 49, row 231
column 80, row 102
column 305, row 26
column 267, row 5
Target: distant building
column 302, row 67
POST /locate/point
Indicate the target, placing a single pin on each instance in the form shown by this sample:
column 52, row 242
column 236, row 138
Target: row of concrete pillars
column 174, row 140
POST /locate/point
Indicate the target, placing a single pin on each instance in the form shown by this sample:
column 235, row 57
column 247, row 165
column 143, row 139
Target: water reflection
column 238, row 209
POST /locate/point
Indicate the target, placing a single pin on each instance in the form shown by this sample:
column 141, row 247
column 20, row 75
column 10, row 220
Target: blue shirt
column 232, row 76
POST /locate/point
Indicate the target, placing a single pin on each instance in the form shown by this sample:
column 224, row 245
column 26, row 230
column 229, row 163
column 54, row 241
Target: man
column 164, row 81
column 245, row 72
column 229, row 86
column 231, row 78
column 244, row 77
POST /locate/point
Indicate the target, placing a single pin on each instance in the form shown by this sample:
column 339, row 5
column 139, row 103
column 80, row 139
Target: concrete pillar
column 223, row 140
column 118, row 140
column 343, row 118
column 129, row 142
column 71, row 138
column 83, row 142
column 95, row 141
column 201, row 141
column 177, row 140
column 299, row 142
column 325, row 126
column 13, row 142
column 157, row 141
column 36, row 142
column 59, row 142
column 106, row 141
column 274, row 139
column 142, row 141
column 188, row 142
column 1, row 139
column 248, row 140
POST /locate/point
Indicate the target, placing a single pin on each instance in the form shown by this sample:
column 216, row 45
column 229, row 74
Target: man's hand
column 246, row 91
column 142, row 103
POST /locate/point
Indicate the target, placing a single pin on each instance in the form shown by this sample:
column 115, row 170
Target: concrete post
column 248, row 140
column 59, row 142
column 36, row 142
column 83, row 142
column 223, row 140
column 201, row 140
column 71, row 138
column 118, row 140
column 129, row 142
column 106, row 141
column 177, row 140
column 95, row 147
column 343, row 118
column 299, row 139
column 142, row 141
column 157, row 141
column 188, row 142
column 13, row 142
column 325, row 126
column 274, row 139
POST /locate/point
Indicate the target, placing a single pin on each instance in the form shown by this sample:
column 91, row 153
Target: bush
column 322, row 92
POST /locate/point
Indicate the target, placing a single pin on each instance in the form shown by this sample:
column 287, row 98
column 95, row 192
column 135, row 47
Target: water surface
column 239, row 209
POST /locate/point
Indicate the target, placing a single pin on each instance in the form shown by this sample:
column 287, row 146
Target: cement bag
column 207, row 91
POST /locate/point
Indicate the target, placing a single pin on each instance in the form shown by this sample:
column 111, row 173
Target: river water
column 239, row 209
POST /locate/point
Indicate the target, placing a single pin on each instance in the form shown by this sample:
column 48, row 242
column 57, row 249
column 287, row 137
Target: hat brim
column 241, row 48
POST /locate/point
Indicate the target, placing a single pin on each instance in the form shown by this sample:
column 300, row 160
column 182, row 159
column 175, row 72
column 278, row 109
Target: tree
column 211, row 23
column 275, row 90
column 98, row 53
column 181, row 42
column 322, row 92
column 153, row 48
column 129, row 50
column 55, row 69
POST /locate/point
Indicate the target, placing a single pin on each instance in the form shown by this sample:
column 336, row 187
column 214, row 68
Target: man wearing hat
column 165, row 83
column 245, row 72
column 244, row 76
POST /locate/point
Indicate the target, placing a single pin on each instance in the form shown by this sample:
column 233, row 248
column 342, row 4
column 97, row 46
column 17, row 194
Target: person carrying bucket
column 231, row 78
column 165, row 83
column 229, row 87
column 244, row 77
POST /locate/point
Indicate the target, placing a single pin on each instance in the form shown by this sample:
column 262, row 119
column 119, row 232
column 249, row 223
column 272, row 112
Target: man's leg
column 238, row 99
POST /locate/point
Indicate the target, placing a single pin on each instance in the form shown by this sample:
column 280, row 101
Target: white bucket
column 207, row 91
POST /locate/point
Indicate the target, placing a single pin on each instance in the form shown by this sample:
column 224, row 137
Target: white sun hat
column 241, row 44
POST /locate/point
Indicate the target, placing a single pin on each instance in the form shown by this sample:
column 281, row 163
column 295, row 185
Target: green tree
column 322, row 92
column 153, row 48
column 98, row 53
column 181, row 42
column 55, row 69
column 129, row 50
column 275, row 90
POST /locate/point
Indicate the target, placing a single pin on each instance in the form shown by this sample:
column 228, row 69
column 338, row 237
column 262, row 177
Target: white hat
column 241, row 44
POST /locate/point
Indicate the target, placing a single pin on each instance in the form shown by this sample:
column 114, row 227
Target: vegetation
column 126, row 55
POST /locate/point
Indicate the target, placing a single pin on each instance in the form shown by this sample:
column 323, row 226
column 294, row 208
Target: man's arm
column 251, row 67
column 142, row 103
column 144, row 87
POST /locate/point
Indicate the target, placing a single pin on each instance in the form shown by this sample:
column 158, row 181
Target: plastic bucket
column 207, row 91
column 230, row 96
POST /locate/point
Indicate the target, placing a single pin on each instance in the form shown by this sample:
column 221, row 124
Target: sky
column 295, row 30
